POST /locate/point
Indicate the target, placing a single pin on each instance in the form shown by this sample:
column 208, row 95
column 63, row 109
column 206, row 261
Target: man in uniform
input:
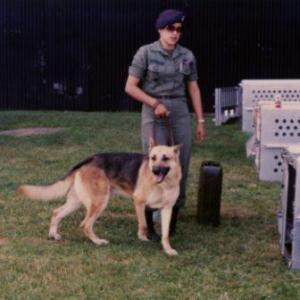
column 162, row 76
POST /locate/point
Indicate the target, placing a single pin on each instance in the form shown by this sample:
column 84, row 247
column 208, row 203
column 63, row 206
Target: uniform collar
column 177, row 51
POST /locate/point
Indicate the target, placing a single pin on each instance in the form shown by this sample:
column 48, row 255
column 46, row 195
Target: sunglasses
column 172, row 28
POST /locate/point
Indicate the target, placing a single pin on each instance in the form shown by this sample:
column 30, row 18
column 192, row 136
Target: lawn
column 240, row 259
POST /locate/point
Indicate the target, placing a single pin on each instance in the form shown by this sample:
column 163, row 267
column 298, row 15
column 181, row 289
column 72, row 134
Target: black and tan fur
column 151, row 180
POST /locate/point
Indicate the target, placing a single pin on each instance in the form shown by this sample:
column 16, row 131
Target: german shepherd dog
column 150, row 180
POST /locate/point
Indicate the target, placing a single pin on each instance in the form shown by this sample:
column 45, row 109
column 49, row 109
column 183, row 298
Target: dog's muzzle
column 160, row 173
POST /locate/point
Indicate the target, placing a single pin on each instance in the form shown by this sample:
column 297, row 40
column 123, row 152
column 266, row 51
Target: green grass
column 238, row 260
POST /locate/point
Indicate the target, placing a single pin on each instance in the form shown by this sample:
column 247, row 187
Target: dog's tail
column 47, row 192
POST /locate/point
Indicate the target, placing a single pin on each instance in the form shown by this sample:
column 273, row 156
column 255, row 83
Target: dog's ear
column 177, row 149
column 152, row 143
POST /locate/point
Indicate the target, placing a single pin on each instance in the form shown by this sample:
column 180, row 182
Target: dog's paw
column 55, row 236
column 100, row 242
column 171, row 252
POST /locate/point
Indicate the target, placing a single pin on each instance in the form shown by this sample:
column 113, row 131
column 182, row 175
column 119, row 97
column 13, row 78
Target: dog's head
column 164, row 161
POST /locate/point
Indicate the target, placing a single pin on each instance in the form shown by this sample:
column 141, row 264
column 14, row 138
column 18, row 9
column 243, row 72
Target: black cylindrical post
column 209, row 193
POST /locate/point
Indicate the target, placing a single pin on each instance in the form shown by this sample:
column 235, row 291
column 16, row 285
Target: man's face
column 171, row 34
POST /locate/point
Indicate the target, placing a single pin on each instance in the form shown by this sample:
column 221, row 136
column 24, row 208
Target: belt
column 169, row 97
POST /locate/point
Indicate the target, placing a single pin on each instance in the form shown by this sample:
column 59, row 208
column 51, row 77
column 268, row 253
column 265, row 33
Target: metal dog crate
column 276, row 129
column 289, row 212
column 227, row 104
column 254, row 91
column 269, row 164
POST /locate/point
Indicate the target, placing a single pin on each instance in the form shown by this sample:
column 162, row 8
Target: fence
column 74, row 54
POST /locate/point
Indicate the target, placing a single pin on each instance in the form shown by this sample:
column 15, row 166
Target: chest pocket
column 155, row 72
column 185, row 67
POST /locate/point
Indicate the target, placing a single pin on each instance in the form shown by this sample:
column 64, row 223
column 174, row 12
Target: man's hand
column 161, row 111
column 200, row 133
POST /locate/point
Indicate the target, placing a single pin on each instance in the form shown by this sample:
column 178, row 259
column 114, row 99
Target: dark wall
column 74, row 54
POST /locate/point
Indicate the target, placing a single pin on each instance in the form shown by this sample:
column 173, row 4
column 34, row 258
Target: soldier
column 162, row 76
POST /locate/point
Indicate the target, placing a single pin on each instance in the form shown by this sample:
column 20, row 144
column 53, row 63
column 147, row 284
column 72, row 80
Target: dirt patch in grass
column 3, row 241
column 233, row 211
column 30, row 131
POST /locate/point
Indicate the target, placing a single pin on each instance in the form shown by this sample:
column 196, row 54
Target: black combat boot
column 173, row 222
column 151, row 233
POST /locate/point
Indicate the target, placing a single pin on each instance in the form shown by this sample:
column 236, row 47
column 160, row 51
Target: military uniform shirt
column 163, row 73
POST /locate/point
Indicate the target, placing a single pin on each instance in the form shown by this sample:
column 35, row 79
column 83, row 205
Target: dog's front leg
column 165, row 225
column 142, row 225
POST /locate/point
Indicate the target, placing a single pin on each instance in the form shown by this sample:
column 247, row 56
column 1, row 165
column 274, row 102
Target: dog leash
column 170, row 141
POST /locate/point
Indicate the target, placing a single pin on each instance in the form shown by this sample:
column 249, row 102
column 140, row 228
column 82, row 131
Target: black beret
column 169, row 17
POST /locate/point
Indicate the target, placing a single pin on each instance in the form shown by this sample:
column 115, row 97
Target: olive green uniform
column 164, row 75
